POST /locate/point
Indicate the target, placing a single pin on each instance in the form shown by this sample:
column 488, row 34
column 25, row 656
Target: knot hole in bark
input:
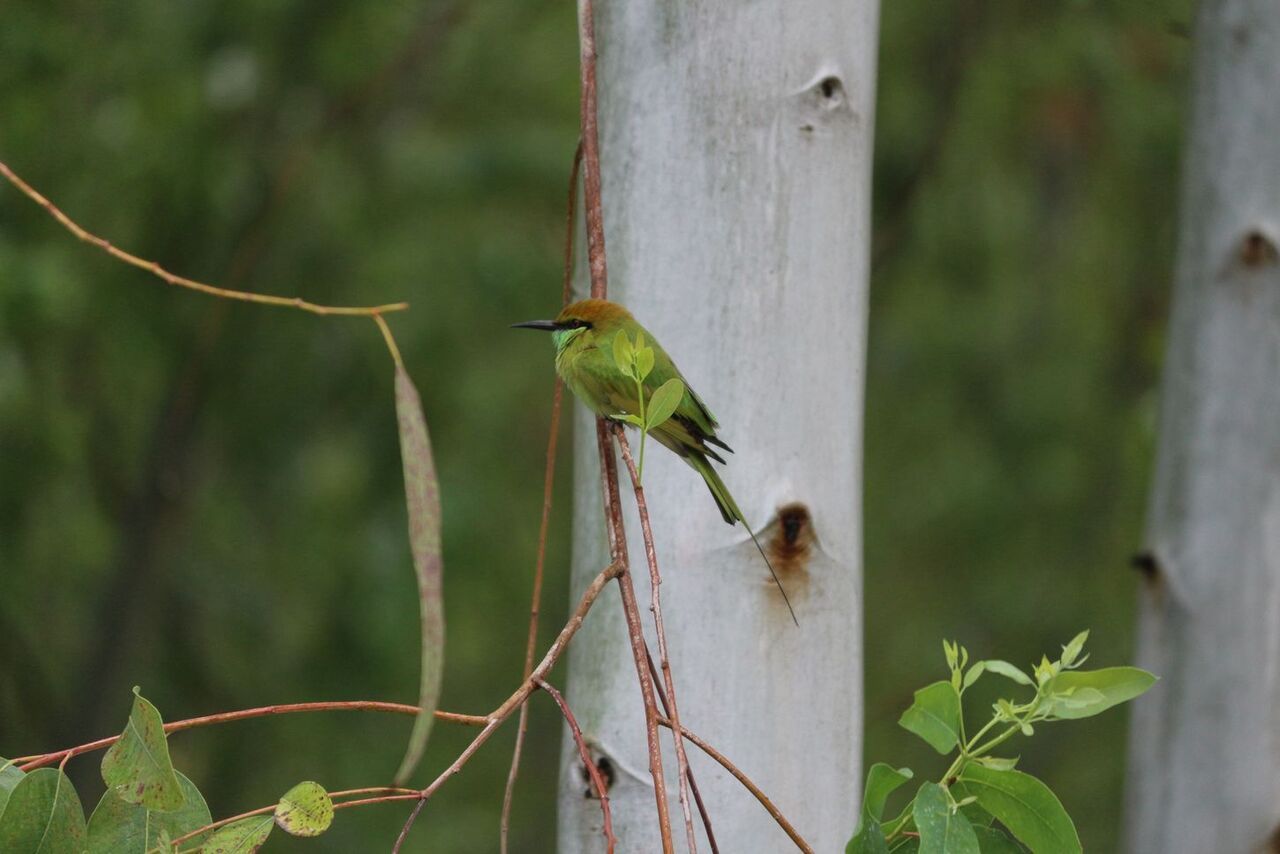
column 792, row 538
column 831, row 88
column 605, row 767
column 1148, row 566
column 1258, row 250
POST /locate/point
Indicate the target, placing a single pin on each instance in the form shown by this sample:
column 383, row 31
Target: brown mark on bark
column 791, row 540
column 1257, row 250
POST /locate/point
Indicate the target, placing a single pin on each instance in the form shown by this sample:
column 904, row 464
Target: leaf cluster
column 635, row 359
column 147, row 806
column 983, row 804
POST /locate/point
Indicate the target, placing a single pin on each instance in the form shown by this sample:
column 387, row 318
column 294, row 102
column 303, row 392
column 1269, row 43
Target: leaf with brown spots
column 43, row 815
column 305, row 810
column 422, row 499
column 241, row 837
column 137, row 767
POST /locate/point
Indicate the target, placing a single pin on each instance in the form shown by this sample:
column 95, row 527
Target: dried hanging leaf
column 422, row 499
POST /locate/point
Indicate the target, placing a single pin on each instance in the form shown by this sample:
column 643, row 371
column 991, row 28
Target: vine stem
column 181, row 281
column 30, row 763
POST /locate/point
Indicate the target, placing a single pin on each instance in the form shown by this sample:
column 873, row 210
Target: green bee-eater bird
column 583, row 334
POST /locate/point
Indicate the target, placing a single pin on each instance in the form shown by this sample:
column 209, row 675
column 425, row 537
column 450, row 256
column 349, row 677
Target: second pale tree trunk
column 1205, row 759
column 736, row 152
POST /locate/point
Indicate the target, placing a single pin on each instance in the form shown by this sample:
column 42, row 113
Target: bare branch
column 602, row 790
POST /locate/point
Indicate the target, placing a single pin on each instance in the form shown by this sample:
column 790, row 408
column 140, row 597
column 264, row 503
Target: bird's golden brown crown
column 598, row 312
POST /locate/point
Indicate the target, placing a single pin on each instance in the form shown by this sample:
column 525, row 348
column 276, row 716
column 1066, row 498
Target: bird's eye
column 579, row 324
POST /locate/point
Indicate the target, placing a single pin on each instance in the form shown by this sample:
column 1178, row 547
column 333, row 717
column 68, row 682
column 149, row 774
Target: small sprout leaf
column 1072, row 650
column 664, row 402
column 974, row 673
column 137, row 767
column 644, row 361
column 1007, row 670
column 305, row 810
column 623, row 354
column 935, row 716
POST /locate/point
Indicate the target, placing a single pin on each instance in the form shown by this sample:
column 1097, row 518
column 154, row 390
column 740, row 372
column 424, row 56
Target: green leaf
column 1072, row 650
column 119, row 827
column 994, row 841
column 632, row 419
column 935, row 716
column 882, row 780
column 941, row 830
column 1026, row 806
column 644, row 362
column 999, row 763
column 240, row 837
column 623, row 353
column 1008, row 671
column 974, row 673
column 305, row 810
column 43, row 816
column 10, row 774
column 1104, row 688
column 422, row 499
column 137, row 767
column 664, row 401
column 905, row 845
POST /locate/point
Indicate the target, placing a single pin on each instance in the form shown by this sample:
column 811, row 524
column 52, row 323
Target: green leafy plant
column 149, row 807
column 635, row 359
column 983, row 804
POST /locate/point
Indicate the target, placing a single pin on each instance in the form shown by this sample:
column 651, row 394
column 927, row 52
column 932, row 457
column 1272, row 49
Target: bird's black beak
column 544, row 325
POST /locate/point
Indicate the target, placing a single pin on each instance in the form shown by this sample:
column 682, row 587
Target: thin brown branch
column 635, row 632
column 597, row 780
column 180, row 281
column 664, row 661
column 548, row 482
column 40, row 760
column 591, row 154
column 747, row 783
column 693, row 783
column 521, row 694
column 385, row 793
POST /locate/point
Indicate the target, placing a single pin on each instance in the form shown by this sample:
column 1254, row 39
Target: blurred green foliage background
column 204, row 498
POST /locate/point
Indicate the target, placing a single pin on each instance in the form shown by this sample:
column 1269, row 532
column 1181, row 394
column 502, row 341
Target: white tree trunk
column 1205, row 756
column 736, row 154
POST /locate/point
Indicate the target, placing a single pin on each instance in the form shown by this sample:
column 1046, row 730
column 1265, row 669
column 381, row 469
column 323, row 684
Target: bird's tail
column 729, row 510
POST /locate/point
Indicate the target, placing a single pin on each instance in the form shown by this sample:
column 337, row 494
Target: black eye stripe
column 578, row 324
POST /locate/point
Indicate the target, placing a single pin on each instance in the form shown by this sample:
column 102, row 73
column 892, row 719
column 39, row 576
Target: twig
column 387, row 793
column 635, row 632
column 655, row 588
column 548, row 481
column 42, row 759
column 181, row 281
column 390, row 339
column 747, row 783
column 602, row 791
column 693, row 783
column 521, row 694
